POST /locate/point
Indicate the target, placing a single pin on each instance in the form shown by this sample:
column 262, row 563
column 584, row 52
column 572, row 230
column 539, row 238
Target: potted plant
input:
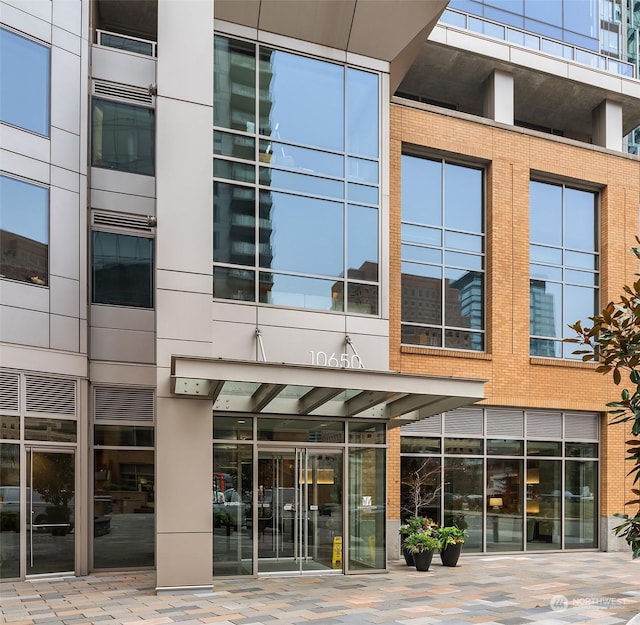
column 412, row 525
column 451, row 539
column 421, row 545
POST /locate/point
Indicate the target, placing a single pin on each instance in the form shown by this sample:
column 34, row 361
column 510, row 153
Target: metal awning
column 289, row 389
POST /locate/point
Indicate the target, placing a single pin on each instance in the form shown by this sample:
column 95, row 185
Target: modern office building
column 262, row 260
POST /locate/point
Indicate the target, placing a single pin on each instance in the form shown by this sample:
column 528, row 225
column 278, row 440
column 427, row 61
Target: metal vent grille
column 464, row 421
column 541, row 424
column 50, row 395
column 582, row 426
column 124, row 404
column 123, row 93
column 9, row 391
column 140, row 223
column 430, row 425
column 505, row 423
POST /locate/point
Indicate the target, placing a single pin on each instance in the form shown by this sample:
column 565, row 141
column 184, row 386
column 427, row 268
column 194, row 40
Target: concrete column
column 607, row 125
column 498, row 97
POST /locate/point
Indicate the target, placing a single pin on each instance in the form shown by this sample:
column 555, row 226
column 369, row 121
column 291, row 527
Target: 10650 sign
column 346, row 361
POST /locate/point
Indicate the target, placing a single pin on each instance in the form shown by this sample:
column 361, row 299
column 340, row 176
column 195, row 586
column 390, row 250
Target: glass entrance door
column 300, row 511
column 50, row 519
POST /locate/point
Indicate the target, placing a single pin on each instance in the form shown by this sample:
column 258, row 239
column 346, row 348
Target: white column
column 607, row 125
column 498, row 97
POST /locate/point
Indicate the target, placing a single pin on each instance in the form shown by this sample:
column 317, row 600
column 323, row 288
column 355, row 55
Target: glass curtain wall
column 9, row 501
column 296, row 180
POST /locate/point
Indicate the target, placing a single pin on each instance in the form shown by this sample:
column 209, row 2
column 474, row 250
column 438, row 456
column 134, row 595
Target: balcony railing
column 126, row 43
column 532, row 41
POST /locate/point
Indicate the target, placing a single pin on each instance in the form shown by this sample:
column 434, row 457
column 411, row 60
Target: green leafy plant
column 422, row 541
column 450, row 535
column 613, row 341
column 412, row 524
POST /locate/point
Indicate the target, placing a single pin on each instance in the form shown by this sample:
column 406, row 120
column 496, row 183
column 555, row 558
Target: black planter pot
column 408, row 556
column 450, row 554
column 422, row 560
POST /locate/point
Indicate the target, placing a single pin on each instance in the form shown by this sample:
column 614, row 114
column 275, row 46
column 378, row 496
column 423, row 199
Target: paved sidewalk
column 544, row 589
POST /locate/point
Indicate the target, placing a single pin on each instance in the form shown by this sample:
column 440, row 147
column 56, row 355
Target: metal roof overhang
column 275, row 388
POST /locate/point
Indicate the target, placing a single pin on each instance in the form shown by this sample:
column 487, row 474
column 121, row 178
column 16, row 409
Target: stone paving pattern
column 543, row 589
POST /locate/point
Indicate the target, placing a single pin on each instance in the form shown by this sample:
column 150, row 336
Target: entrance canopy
column 275, row 388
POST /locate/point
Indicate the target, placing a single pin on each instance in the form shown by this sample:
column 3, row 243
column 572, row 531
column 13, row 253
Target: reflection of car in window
column 230, row 508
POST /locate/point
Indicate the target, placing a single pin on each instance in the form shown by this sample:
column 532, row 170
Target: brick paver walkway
column 542, row 589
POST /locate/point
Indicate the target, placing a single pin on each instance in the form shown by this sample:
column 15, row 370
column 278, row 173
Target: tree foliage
column 613, row 341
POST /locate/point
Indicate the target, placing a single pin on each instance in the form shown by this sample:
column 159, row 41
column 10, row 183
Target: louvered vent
column 430, row 425
column 9, row 391
column 123, row 404
column 581, row 426
column 50, row 395
column 542, row 424
column 505, row 423
column 123, row 93
column 463, row 421
column 140, row 223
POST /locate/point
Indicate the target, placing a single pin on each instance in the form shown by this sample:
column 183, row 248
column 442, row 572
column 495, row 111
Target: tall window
column 24, row 231
column 25, row 72
column 122, row 269
column 564, row 265
column 442, row 254
column 296, row 189
column 123, row 137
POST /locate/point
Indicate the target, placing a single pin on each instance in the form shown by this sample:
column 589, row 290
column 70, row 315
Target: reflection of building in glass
column 542, row 318
column 23, row 259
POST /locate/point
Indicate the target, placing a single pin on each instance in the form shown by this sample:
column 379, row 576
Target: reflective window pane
column 463, row 198
column 234, row 428
column 234, row 224
column 544, row 505
column 421, row 191
column 306, row 234
column 362, row 242
column 420, row 480
column 299, row 292
column 420, row 254
column 123, row 137
column 544, row 273
column 362, row 298
column 504, row 505
column 302, row 159
column 25, row 71
column 421, row 335
column 367, row 433
column 362, row 113
column 420, row 234
column 544, row 448
column 122, row 270
column 581, row 450
column 463, row 501
column 580, row 504
column 359, row 170
column 546, row 309
column 313, row 185
column 234, row 284
column 123, row 436
column 9, row 511
column 123, row 508
column 580, row 219
column 467, row 242
column 419, row 445
column 456, row 339
column 421, row 293
column 463, row 446
column 362, row 193
column 232, row 170
column 545, row 225
column 303, row 100
column 234, row 84
column 9, row 427
column 24, row 231
column 543, row 254
column 464, row 297
column 301, row 430
column 52, row 430
column 229, row 144
column 505, row 447
column 545, row 349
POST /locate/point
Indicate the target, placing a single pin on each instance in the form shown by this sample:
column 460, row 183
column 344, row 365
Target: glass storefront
column 509, row 494
column 285, row 489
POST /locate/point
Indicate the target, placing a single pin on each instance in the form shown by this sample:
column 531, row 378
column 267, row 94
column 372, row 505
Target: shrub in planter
column 410, row 526
column 451, row 539
column 421, row 545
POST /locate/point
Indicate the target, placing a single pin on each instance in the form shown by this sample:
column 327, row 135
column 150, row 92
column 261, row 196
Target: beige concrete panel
column 65, row 150
column 122, row 67
column 166, row 348
column 238, row 11
column 121, row 345
column 322, row 21
column 29, row 16
column 65, row 179
column 24, row 295
column 26, row 327
column 84, row 336
column 184, row 463
column 64, row 233
column 367, row 325
column 122, row 202
column 25, row 143
column 236, row 340
column 306, row 319
column 631, row 87
column 64, row 296
column 180, row 281
column 223, row 311
column 123, row 182
column 66, row 40
column 597, row 78
column 122, row 373
column 83, row 250
column 184, row 171
column 541, row 62
column 122, row 318
column 65, row 80
column 373, row 350
column 184, row 560
column 184, row 316
column 65, row 333
column 45, row 360
column 19, row 165
column 68, row 15
column 183, row 36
